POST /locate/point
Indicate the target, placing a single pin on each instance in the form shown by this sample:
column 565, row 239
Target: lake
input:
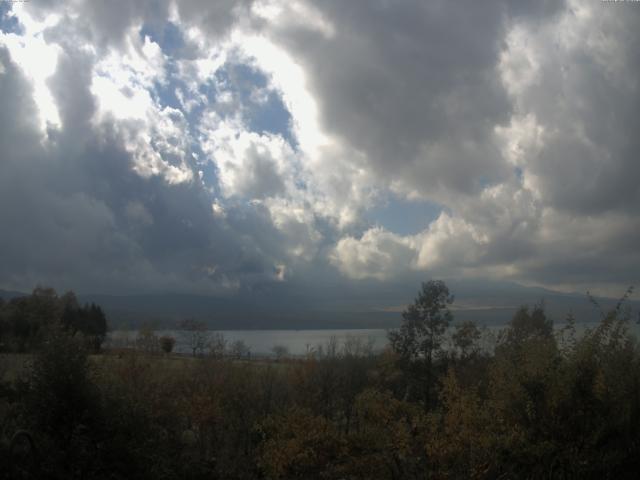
column 262, row 342
column 302, row 342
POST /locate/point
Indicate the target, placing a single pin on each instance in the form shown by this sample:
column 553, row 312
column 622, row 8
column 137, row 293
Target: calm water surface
column 301, row 342
column 262, row 342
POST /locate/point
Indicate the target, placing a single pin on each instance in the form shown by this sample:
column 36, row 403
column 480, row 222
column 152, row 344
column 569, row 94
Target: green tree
column 418, row 341
column 465, row 338
column 96, row 326
column 89, row 320
column 60, row 389
column 526, row 325
column 63, row 405
column 28, row 316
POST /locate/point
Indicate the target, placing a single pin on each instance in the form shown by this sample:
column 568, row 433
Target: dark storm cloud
column 76, row 214
column 419, row 98
column 590, row 164
column 407, row 82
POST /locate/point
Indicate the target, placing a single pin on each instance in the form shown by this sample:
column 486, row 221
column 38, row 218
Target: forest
column 544, row 401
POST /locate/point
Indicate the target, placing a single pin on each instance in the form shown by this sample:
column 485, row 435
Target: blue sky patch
column 166, row 93
column 272, row 116
column 262, row 107
column 169, row 37
column 8, row 23
column 518, row 172
column 403, row 217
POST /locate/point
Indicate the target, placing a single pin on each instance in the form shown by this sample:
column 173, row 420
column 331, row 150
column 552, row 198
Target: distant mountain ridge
column 492, row 303
column 9, row 294
column 488, row 303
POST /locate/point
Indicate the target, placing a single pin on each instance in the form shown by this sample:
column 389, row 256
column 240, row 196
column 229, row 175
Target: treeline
column 27, row 322
column 542, row 403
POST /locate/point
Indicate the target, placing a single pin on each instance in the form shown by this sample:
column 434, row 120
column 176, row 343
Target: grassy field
column 13, row 366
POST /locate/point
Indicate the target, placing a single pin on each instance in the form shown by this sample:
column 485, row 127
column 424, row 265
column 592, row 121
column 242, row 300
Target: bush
column 167, row 343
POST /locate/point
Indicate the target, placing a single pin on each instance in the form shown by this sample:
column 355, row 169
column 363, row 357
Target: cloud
column 38, row 61
column 82, row 211
column 411, row 87
column 251, row 165
column 224, row 146
column 377, row 254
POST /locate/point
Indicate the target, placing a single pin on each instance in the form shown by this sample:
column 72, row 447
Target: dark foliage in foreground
column 539, row 404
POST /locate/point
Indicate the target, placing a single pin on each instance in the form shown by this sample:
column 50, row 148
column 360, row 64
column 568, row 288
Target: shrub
column 167, row 343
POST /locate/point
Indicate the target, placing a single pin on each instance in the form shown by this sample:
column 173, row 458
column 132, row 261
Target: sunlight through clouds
column 38, row 61
column 247, row 143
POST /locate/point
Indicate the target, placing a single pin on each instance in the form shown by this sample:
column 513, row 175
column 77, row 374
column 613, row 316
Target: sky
column 222, row 148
